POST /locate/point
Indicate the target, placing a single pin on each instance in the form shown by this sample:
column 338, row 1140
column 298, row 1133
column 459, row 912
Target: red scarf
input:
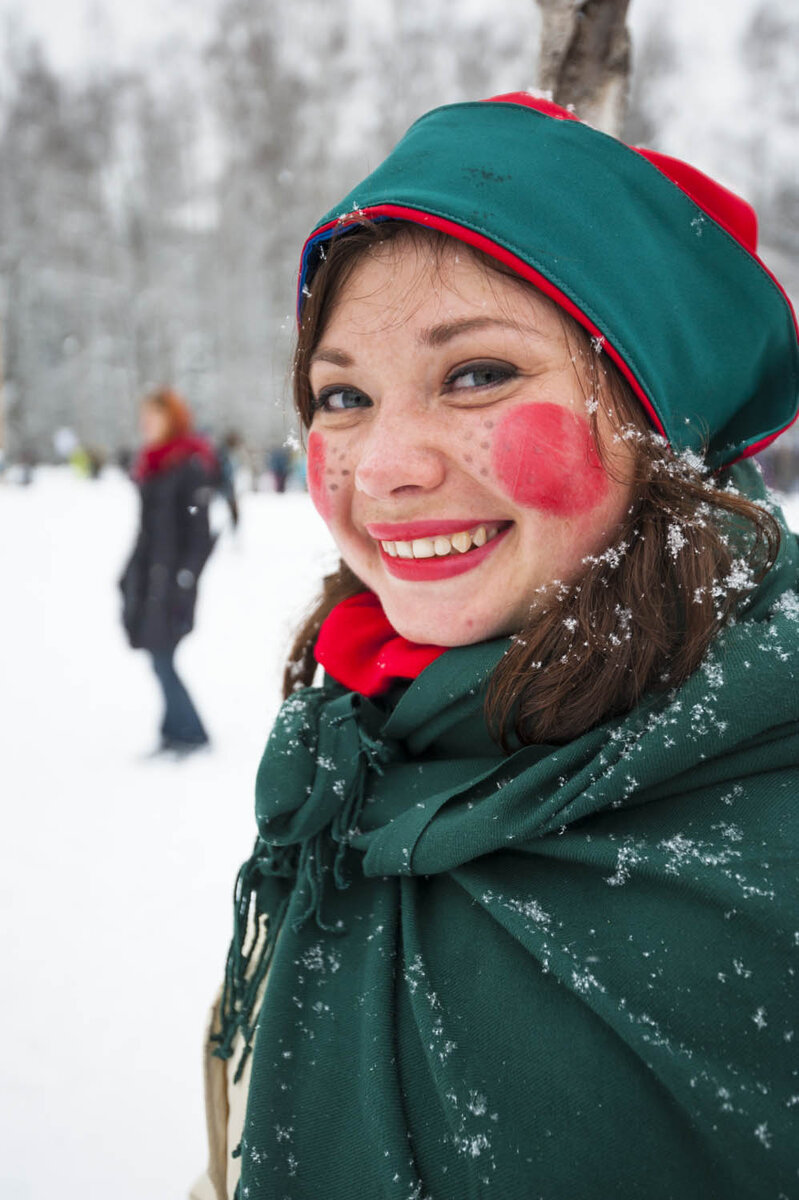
column 154, row 459
column 362, row 651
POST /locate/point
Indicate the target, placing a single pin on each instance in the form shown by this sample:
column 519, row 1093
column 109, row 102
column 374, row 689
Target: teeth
column 441, row 546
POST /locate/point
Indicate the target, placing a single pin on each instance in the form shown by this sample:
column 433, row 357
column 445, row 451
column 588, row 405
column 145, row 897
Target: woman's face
column 450, row 450
column 154, row 424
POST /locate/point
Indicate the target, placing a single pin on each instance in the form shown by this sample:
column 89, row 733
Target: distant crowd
column 279, row 467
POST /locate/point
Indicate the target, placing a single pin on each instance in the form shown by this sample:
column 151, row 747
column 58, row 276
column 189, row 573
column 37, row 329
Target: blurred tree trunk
column 585, row 58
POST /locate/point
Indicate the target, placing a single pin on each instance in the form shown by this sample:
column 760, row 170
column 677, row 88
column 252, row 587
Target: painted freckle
column 468, row 458
column 484, row 445
column 545, row 458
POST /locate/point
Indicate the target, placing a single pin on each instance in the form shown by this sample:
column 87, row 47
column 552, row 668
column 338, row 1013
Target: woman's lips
column 423, row 569
column 409, row 530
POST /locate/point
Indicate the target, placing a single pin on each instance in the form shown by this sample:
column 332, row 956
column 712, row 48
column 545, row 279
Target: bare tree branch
column 585, row 58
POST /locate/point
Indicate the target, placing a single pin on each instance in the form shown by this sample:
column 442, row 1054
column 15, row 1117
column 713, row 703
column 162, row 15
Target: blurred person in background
column 176, row 472
column 227, row 449
column 279, row 465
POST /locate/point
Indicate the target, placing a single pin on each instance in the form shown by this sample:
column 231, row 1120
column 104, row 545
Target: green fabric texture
column 564, row 973
column 702, row 326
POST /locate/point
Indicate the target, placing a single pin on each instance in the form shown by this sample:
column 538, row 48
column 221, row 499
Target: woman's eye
column 336, row 399
column 480, row 375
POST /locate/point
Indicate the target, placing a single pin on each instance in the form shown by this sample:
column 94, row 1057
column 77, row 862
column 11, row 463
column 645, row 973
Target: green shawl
column 568, row 972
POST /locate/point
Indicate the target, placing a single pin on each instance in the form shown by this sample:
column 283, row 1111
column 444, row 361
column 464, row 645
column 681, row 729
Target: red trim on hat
column 517, row 265
column 756, row 447
column 734, row 214
column 737, row 218
column 540, row 103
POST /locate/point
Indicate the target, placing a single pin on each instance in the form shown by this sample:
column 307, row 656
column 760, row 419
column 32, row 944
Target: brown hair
column 643, row 612
column 175, row 408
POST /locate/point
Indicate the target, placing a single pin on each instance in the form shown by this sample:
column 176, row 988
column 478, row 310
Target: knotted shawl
column 567, row 972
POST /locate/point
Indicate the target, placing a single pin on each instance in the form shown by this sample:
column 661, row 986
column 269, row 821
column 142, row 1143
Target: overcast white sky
column 77, row 32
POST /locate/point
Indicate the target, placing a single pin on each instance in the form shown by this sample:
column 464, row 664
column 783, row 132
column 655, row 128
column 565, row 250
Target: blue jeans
column 181, row 724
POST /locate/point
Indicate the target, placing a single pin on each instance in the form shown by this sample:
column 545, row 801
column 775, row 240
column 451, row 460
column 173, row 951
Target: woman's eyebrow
column 339, row 358
column 438, row 335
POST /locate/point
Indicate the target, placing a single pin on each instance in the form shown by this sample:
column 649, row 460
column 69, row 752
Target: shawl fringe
column 256, row 922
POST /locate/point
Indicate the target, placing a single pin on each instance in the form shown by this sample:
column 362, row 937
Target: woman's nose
column 399, row 452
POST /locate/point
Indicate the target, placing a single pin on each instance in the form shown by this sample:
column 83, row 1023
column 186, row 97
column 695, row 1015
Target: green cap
column 650, row 255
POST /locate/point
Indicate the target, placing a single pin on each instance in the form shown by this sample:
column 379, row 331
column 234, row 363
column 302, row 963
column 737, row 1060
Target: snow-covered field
column 116, row 872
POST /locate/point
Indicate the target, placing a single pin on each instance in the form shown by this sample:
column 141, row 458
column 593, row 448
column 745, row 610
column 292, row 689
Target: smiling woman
column 457, row 382
column 520, row 914
column 535, row 422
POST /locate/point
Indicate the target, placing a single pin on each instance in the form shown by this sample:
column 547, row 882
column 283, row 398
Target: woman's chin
column 441, row 626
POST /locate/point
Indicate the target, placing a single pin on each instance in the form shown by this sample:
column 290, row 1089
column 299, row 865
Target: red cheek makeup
column 316, row 475
column 544, row 458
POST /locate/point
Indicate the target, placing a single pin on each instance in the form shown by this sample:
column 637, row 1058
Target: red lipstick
column 423, row 569
column 406, row 531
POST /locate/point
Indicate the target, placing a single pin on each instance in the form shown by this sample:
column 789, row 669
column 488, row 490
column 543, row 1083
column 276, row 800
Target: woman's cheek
column 544, row 457
column 317, row 484
column 328, row 473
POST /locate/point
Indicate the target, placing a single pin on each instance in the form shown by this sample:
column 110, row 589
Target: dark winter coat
column 159, row 585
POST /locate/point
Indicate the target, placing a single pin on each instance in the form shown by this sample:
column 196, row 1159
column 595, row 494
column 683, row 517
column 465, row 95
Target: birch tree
column 585, row 58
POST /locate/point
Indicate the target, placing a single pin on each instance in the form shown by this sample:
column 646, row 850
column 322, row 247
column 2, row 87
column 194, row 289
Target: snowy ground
column 115, row 872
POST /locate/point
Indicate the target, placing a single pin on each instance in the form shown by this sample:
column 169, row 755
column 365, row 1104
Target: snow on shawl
column 568, row 971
